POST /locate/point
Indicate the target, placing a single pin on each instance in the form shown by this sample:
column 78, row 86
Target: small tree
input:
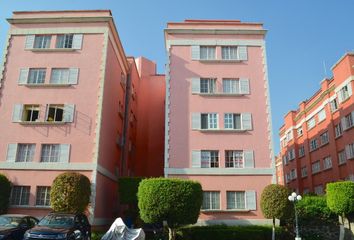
column 5, row 190
column 340, row 198
column 176, row 201
column 275, row 203
column 70, row 192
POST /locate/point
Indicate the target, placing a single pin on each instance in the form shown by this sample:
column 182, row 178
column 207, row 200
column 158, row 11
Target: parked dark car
column 61, row 226
column 13, row 226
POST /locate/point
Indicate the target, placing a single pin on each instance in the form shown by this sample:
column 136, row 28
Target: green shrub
column 128, row 189
column 97, row 235
column 70, row 192
column 340, row 197
column 231, row 233
column 176, row 201
column 5, row 190
column 274, row 201
column 314, row 208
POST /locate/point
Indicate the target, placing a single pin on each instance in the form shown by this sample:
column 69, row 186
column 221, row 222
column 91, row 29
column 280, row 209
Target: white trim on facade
column 83, row 30
column 234, row 42
column 4, row 57
column 234, row 31
column 219, row 171
column 59, row 166
column 269, row 112
column 98, row 124
column 167, row 113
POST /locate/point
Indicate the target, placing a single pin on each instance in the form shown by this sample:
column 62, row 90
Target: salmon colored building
column 279, row 170
column 317, row 139
column 69, row 102
column 218, row 121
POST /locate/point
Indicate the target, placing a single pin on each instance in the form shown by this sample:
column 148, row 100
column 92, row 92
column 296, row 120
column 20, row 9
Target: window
column 229, row 53
column 299, row 131
column 321, row 115
column 25, row 152
column 287, row 177
column 31, row 113
column 338, row 130
column 311, row 123
column 291, row 154
column 234, row 159
column 207, row 85
column 319, row 190
column 211, row 200
column 209, row 121
column 236, row 200
column 209, row 159
column 59, row 76
column 20, row 195
column 333, row 105
column 304, row 171
column 324, row 138
column 327, row 162
column 238, row 121
column 207, row 53
column 43, row 196
column 347, row 121
column 232, row 121
column 50, row 153
column 344, row 93
column 285, row 159
column 289, row 135
column 293, row 174
column 231, row 86
column 42, row 41
column 65, row 41
column 36, row 76
column 313, row 144
column 55, row 113
column 301, row 151
column 349, row 151
column 341, row 157
column 316, row 167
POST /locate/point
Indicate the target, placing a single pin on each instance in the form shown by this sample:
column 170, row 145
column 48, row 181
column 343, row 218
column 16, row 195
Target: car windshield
column 8, row 221
column 59, row 221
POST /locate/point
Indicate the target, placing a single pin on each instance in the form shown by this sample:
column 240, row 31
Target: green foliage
column 5, row 190
column 97, row 235
column 176, row 201
column 314, row 207
column 274, row 201
column 231, row 233
column 128, row 189
column 340, row 197
column 70, row 192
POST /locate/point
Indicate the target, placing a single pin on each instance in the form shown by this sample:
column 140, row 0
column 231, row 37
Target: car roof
column 15, row 215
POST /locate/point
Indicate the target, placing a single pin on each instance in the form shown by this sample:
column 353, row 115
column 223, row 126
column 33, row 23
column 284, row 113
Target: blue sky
column 302, row 35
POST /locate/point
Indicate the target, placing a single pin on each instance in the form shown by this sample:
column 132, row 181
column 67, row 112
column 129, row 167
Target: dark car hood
column 6, row 230
column 48, row 230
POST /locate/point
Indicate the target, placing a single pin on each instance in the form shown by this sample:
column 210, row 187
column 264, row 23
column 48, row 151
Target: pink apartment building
column 218, row 121
column 68, row 102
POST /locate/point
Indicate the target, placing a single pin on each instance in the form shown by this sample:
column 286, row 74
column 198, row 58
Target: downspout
column 125, row 126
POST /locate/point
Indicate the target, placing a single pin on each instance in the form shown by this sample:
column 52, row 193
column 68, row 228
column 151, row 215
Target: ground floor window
column 236, row 200
column 43, row 196
column 20, row 195
column 211, row 200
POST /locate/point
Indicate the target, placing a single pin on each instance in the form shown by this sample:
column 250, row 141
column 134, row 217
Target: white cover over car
column 119, row 231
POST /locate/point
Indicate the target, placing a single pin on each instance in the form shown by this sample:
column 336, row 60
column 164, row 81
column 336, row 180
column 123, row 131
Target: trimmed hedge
column 224, row 232
column 315, row 207
column 70, row 192
column 175, row 200
column 340, row 197
column 5, row 190
column 128, row 189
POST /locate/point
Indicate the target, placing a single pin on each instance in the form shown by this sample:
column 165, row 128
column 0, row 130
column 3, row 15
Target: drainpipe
column 123, row 158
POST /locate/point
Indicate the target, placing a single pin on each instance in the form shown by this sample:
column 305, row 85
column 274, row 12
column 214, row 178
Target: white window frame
column 42, row 41
column 303, row 171
column 212, row 196
column 212, row 121
column 43, row 198
column 65, row 42
column 324, row 138
column 313, row 144
column 333, row 105
column 229, row 53
column 327, row 162
column 55, row 107
column 209, row 159
column 53, row 155
column 23, row 198
column 301, row 151
column 342, row 158
column 299, row 131
column 321, row 115
column 29, row 150
column 36, row 76
column 30, row 109
column 316, row 167
column 236, row 160
column 210, row 53
column 210, row 85
column 338, row 130
column 238, row 198
column 311, row 123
